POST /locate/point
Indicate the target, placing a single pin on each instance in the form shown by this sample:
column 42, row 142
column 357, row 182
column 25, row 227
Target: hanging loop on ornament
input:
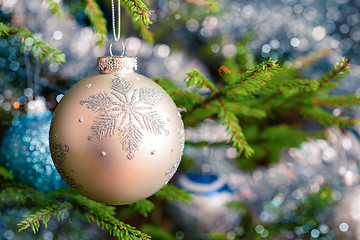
column 122, row 44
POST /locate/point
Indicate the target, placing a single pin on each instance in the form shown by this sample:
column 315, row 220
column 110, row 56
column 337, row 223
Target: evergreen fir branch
column 326, row 118
column 138, row 10
column 253, row 79
column 338, row 72
column 244, row 111
column 143, row 31
column 144, row 206
column 55, row 7
column 157, row 232
column 115, row 227
column 199, row 112
column 300, row 85
column 43, row 215
column 237, row 136
column 170, row 192
column 97, row 20
column 333, row 101
column 310, row 58
column 5, row 175
column 182, row 98
column 196, row 79
column 40, row 48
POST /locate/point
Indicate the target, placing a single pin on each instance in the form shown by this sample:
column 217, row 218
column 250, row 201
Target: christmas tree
column 271, row 106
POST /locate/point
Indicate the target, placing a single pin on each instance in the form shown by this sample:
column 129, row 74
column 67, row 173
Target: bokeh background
column 189, row 36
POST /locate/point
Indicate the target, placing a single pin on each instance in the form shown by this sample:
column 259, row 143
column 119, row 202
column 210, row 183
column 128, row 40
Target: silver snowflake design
column 127, row 112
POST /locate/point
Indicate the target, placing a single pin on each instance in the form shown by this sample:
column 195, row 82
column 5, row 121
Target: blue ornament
column 25, row 152
column 207, row 211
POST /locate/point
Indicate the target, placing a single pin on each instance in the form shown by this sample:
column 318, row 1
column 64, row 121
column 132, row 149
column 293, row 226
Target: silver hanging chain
column 116, row 36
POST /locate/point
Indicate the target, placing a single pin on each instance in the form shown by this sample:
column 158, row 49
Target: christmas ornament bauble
column 25, row 152
column 116, row 136
column 207, row 211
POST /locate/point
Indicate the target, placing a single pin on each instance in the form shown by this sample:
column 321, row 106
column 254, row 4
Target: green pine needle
column 97, row 20
column 38, row 47
column 55, row 7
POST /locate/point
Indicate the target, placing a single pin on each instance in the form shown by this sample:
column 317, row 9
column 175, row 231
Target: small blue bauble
column 207, row 211
column 25, row 152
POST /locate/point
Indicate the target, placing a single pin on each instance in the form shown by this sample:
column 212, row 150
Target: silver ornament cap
column 117, row 64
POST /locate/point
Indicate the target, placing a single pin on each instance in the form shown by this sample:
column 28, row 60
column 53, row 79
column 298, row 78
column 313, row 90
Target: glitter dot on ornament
column 25, row 152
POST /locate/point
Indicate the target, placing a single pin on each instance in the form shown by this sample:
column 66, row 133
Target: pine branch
column 143, row 31
column 158, row 232
column 182, row 98
column 5, row 175
column 333, row 101
column 40, row 48
column 196, row 79
column 60, row 202
column 43, row 216
column 140, row 16
column 54, row 7
column 253, row 79
column 97, row 20
column 144, row 206
column 170, row 192
column 338, row 72
column 237, row 136
column 326, row 118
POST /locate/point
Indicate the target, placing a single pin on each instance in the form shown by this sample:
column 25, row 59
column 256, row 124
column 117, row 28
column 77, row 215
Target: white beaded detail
column 112, row 64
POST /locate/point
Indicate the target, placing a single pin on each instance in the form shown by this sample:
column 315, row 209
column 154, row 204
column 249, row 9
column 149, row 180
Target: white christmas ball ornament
column 116, row 136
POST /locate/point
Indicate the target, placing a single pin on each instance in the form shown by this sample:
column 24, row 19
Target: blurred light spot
column 335, row 44
column 1, row 98
column 9, row 235
column 231, row 235
column 336, row 112
column 57, row 35
column 215, row 48
column 298, row 8
column 353, row 19
column 16, row 105
column 259, row 229
column 349, row 178
column 343, row 227
column 324, row 228
column 192, row 25
column 174, row 5
column 333, row 13
column 344, row 28
column 346, row 44
column 336, row 195
column 275, row 44
column 177, row 16
column 346, row 143
column 231, row 153
column 295, row 42
column 48, row 235
column 310, row 13
column 54, row 67
column 162, row 50
column 14, row 66
column 315, row 233
column 6, row 106
column 133, row 45
column 29, row 41
column 12, row 57
column 318, row 33
column 28, row 92
column 179, row 235
column 266, row 48
column 355, row 33
column 287, row 11
column 59, row 97
column 229, row 50
column 38, row 36
column 248, row 11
